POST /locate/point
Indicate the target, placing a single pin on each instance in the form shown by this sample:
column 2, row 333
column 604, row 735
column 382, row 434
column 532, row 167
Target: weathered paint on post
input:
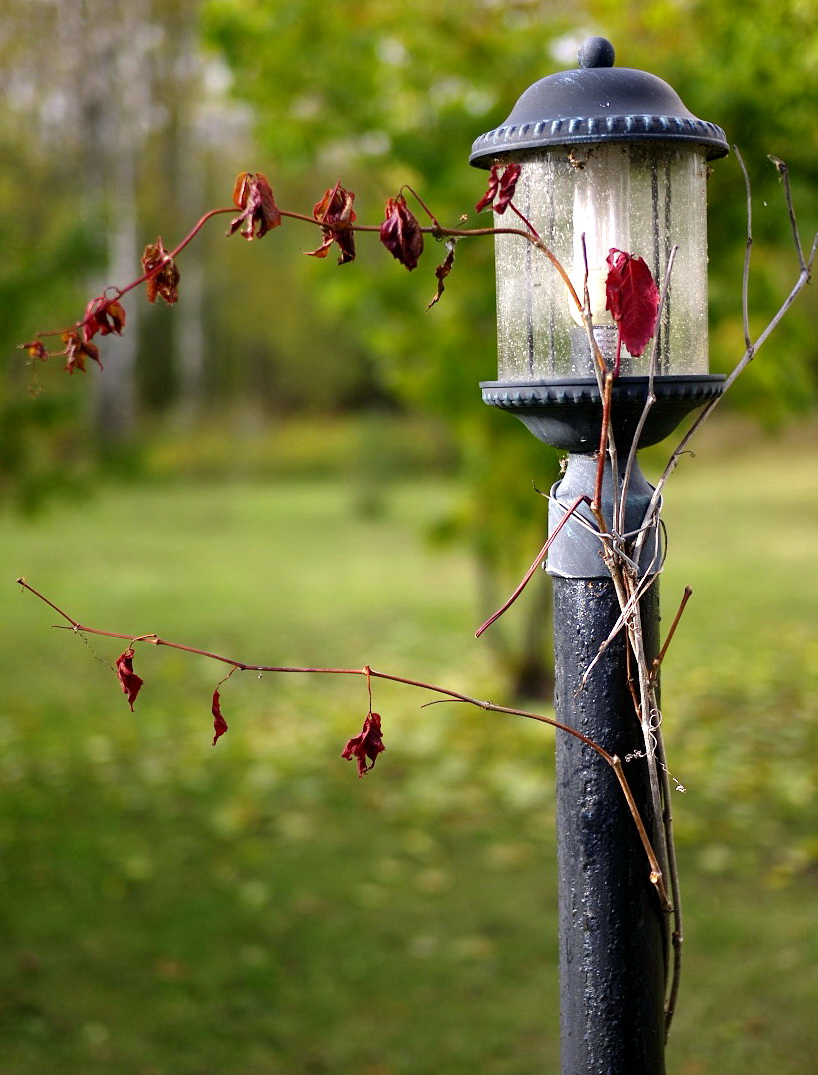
column 612, row 960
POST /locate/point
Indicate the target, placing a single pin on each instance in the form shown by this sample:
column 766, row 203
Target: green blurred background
column 294, row 466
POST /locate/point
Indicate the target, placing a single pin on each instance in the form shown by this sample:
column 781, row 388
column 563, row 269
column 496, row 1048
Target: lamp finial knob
column 596, row 52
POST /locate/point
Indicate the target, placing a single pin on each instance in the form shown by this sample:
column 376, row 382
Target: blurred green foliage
column 44, row 442
column 436, row 78
column 383, row 97
column 379, row 97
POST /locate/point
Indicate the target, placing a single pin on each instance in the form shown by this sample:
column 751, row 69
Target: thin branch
column 648, row 707
column 784, row 174
column 677, row 933
column 586, row 315
column 529, row 233
column 688, row 593
column 422, row 204
column 647, row 580
column 530, row 573
column 745, row 277
column 191, row 235
column 525, row 220
column 118, row 292
column 607, row 390
column 656, row 874
column 650, row 399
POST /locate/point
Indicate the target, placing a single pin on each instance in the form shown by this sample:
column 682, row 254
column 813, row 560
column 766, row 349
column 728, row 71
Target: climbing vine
column 634, row 299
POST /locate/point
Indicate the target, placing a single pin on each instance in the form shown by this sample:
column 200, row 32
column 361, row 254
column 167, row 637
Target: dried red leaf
column 131, row 683
column 254, row 196
column 164, row 281
column 401, row 233
column 37, row 351
column 336, row 216
column 77, row 350
column 103, row 316
column 501, row 188
column 367, row 744
column 632, row 298
column 442, row 271
column 219, row 723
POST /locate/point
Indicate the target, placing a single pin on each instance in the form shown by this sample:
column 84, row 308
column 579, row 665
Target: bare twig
column 530, row 573
column 650, row 398
column 784, row 175
column 607, row 390
column 646, row 581
column 677, row 933
column 688, row 592
column 648, row 706
column 656, row 874
column 745, row 277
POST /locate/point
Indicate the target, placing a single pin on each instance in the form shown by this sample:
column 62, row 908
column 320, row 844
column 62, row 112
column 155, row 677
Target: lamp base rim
column 567, row 412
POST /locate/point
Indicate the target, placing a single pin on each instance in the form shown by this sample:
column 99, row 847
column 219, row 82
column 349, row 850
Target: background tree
column 126, row 97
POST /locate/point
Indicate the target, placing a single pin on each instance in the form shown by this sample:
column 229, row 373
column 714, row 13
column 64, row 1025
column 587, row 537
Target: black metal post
column 612, row 959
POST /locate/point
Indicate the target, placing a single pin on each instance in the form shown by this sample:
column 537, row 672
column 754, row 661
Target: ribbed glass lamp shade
column 584, row 201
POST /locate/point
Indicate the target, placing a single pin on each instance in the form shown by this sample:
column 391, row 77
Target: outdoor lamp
column 610, row 159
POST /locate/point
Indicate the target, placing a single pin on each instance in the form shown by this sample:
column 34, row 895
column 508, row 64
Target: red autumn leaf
column 219, row 723
column 367, row 744
column 103, row 316
column 632, row 298
column 254, row 196
column 164, row 281
column 401, row 233
column 442, row 271
column 335, row 215
column 77, row 350
column 131, row 683
column 501, row 188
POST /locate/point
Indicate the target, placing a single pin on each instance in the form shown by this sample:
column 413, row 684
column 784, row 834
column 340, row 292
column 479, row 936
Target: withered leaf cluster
column 253, row 194
column 162, row 273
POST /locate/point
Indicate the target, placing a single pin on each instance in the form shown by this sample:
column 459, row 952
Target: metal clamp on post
column 577, row 549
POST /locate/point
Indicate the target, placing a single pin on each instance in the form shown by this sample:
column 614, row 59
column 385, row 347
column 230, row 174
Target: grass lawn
column 167, row 908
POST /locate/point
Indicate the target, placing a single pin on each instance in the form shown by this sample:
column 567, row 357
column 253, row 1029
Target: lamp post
column 610, row 159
